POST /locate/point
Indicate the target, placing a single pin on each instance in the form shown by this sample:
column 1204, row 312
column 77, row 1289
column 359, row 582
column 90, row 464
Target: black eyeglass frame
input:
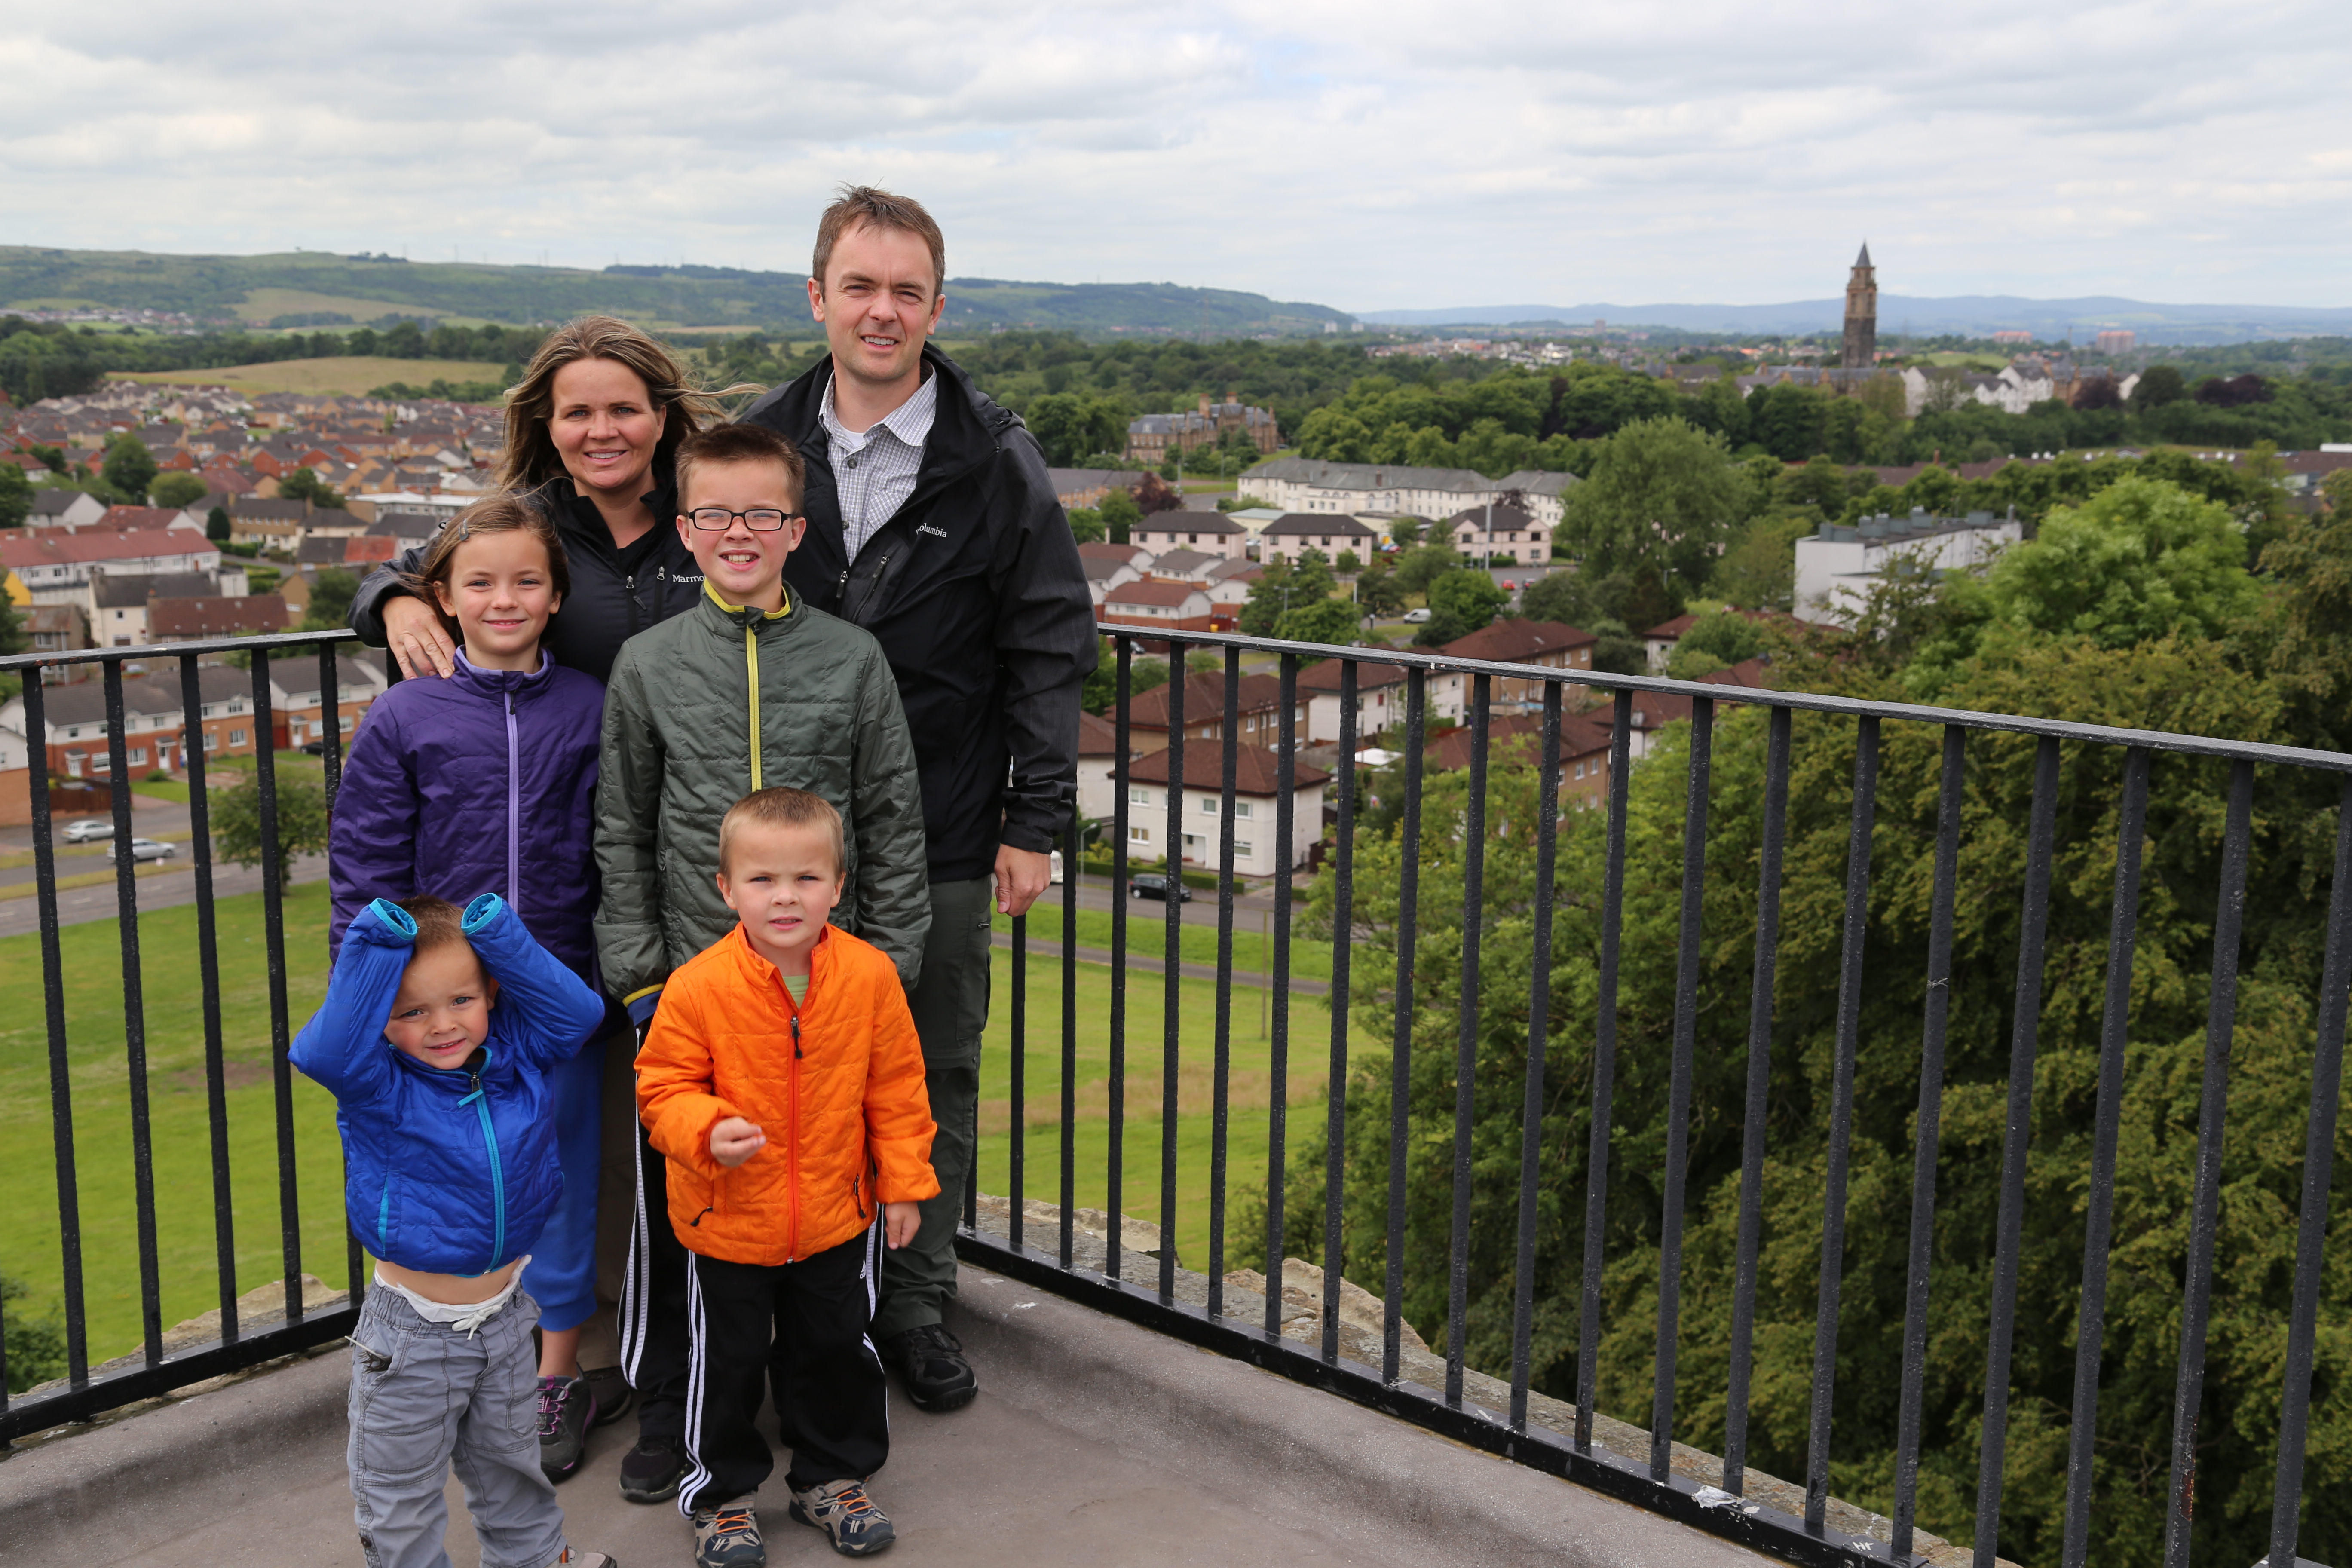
column 698, row 514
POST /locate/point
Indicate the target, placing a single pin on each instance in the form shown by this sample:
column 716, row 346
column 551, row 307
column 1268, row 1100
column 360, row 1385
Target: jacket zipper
column 629, row 591
column 752, row 671
column 514, row 813
column 793, row 1145
column 479, row 1101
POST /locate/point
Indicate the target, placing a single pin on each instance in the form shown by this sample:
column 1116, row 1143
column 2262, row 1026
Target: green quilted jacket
column 686, row 700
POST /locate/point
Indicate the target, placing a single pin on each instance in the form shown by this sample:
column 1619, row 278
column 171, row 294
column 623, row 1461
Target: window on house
column 1241, row 808
column 212, row 742
column 1138, row 834
column 1244, row 849
column 237, row 737
column 138, row 754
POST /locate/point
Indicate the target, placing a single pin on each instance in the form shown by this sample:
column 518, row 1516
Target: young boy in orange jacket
column 783, row 1082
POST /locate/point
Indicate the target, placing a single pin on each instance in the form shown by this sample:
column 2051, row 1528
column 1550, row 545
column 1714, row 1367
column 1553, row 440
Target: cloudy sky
column 1366, row 154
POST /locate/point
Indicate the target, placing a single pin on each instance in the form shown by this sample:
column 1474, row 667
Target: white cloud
column 1364, row 154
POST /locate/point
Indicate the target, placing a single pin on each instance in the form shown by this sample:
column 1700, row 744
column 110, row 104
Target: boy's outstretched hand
column 898, row 1223
column 734, row 1141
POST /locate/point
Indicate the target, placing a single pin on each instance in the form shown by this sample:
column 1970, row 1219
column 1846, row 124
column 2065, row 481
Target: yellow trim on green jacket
column 751, row 662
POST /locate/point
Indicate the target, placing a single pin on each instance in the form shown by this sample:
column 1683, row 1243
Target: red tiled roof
column 103, row 544
column 1204, row 698
column 1580, row 735
column 1152, row 590
column 1256, row 769
column 170, row 620
column 1515, row 642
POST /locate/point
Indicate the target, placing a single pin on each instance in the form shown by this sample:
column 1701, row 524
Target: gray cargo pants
column 950, row 1007
column 425, row 1398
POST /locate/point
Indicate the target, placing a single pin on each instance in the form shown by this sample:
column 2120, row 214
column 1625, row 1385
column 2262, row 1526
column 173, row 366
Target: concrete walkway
column 1094, row 1442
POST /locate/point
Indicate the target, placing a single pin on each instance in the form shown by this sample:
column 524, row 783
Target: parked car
column 147, row 850
column 83, row 830
column 1151, row 885
column 1416, row 617
column 317, row 749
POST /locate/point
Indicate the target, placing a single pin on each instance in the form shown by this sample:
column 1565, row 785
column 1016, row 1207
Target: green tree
column 15, row 496
column 2158, row 385
column 1423, row 565
column 1086, row 525
column 1378, row 591
column 405, row 340
column 216, row 525
column 1715, row 641
column 301, row 821
column 129, row 467
column 331, row 599
column 1320, row 620
column 1119, row 513
column 36, row 1346
column 1074, row 427
column 1660, row 502
column 1759, row 570
column 1283, row 586
column 176, row 489
column 1467, row 600
column 302, row 484
column 2138, row 561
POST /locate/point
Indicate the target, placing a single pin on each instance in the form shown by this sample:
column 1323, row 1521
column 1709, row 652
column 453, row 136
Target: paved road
column 160, row 890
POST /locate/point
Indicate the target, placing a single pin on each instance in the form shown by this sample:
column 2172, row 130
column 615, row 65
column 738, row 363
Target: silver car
column 85, row 829
column 146, row 849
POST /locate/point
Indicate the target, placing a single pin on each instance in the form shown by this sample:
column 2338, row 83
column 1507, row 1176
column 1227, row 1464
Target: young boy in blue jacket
column 436, row 1040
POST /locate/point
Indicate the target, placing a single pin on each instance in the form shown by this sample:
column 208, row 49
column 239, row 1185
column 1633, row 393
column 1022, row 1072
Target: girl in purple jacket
column 453, row 788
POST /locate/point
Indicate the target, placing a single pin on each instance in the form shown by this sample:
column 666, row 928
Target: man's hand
column 1020, row 876
column 898, row 1223
column 412, row 631
column 734, row 1141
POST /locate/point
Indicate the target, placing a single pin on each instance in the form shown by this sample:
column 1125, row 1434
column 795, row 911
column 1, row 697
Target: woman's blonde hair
column 504, row 512
column 530, row 458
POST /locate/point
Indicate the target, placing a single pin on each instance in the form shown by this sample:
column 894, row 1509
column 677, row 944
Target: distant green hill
column 311, row 289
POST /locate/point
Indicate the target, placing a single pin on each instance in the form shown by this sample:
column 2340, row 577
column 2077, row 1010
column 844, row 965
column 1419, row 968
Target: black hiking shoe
column 651, row 1471
column 610, row 1384
column 931, row 1359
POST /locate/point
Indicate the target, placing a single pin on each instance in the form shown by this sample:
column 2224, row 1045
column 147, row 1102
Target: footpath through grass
column 98, row 1075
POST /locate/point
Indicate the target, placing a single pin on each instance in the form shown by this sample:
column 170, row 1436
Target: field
column 263, row 306
column 352, row 377
column 183, row 1160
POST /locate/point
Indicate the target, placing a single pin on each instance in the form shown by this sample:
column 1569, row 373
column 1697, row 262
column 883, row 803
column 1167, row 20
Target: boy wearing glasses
column 749, row 689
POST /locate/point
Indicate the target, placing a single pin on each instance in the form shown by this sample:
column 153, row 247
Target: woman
column 589, row 433
column 591, row 430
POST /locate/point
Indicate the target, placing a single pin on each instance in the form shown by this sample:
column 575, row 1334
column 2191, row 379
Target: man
column 932, row 525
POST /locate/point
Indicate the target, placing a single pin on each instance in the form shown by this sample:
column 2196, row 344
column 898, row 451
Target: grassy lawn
column 347, row 376
column 1147, row 933
column 181, row 1145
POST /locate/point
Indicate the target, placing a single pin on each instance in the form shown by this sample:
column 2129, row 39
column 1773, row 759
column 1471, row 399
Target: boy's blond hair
column 439, row 924
column 778, row 806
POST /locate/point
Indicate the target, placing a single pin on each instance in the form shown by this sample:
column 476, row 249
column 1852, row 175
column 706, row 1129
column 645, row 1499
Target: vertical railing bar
column 1172, row 971
column 1849, row 1025
column 1408, row 937
column 2212, row 1112
column 1343, row 931
column 1686, row 983
column 330, row 758
column 134, row 1015
column 273, row 904
column 1926, row 1138
column 53, row 997
column 2122, row 938
column 1604, row 1074
column 1760, row 1082
column 2033, row 926
column 1277, row 1115
column 2318, row 1178
column 1016, row 1147
column 1466, row 1051
column 1221, row 1072
column 200, row 843
column 1122, row 776
column 1070, row 880
column 1523, row 1292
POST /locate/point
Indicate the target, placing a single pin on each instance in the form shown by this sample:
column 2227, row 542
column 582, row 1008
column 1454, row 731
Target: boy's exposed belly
column 450, row 1289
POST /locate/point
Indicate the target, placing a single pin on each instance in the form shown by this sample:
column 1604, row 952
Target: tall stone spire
column 1861, row 348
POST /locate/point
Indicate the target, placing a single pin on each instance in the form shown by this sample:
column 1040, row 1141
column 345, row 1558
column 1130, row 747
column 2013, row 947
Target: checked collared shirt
column 874, row 470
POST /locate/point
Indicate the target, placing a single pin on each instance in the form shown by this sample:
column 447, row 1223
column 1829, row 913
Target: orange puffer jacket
column 836, row 1084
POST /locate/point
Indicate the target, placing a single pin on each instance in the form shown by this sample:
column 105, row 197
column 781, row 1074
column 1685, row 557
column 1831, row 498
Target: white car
column 83, row 830
column 1415, row 617
column 146, row 849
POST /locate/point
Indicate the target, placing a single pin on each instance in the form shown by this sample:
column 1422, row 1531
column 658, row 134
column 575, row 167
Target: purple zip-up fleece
column 455, row 785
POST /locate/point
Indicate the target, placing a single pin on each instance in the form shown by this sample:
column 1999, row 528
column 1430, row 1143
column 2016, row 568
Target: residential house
column 1183, row 566
column 202, row 620
column 65, row 508
column 1229, row 586
column 118, row 601
column 1836, row 566
column 1551, row 644
column 1208, row 533
column 15, row 779
column 1484, row 532
column 1102, row 576
column 1257, row 712
column 154, row 723
column 1194, row 828
column 55, row 629
column 1151, row 438
column 1519, row 738
column 356, row 553
column 268, row 522
column 1133, row 556
column 1098, row 767
column 1169, row 606
column 141, row 519
column 1288, row 537
column 1077, row 488
column 297, row 710
column 57, row 571
column 1379, row 698
column 405, row 528
column 1385, row 489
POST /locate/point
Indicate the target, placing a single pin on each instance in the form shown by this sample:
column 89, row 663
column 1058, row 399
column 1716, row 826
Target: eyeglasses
column 764, row 520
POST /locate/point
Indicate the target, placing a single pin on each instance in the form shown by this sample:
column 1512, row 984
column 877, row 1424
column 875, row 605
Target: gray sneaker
column 843, row 1512
column 567, row 1408
column 727, row 1536
column 574, row 1558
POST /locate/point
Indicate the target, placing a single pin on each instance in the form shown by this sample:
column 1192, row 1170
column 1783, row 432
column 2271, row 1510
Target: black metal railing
column 155, row 1371
column 1648, row 1479
column 1651, row 1480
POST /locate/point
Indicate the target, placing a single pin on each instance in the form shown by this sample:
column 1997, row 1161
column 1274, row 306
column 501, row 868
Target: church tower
column 1860, row 315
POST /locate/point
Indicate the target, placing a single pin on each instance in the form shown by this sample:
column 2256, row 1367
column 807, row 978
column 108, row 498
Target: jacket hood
column 737, row 617
column 497, row 683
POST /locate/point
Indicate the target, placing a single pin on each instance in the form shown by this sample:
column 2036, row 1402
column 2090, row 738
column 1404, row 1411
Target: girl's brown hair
column 502, row 513
column 530, row 458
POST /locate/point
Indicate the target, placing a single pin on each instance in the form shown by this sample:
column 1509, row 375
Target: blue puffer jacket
column 482, row 782
column 447, row 1172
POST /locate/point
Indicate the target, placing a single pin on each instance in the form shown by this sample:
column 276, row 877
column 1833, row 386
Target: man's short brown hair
column 778, row 806
column 865, row 205
column 739, row 444
column 439, row 924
